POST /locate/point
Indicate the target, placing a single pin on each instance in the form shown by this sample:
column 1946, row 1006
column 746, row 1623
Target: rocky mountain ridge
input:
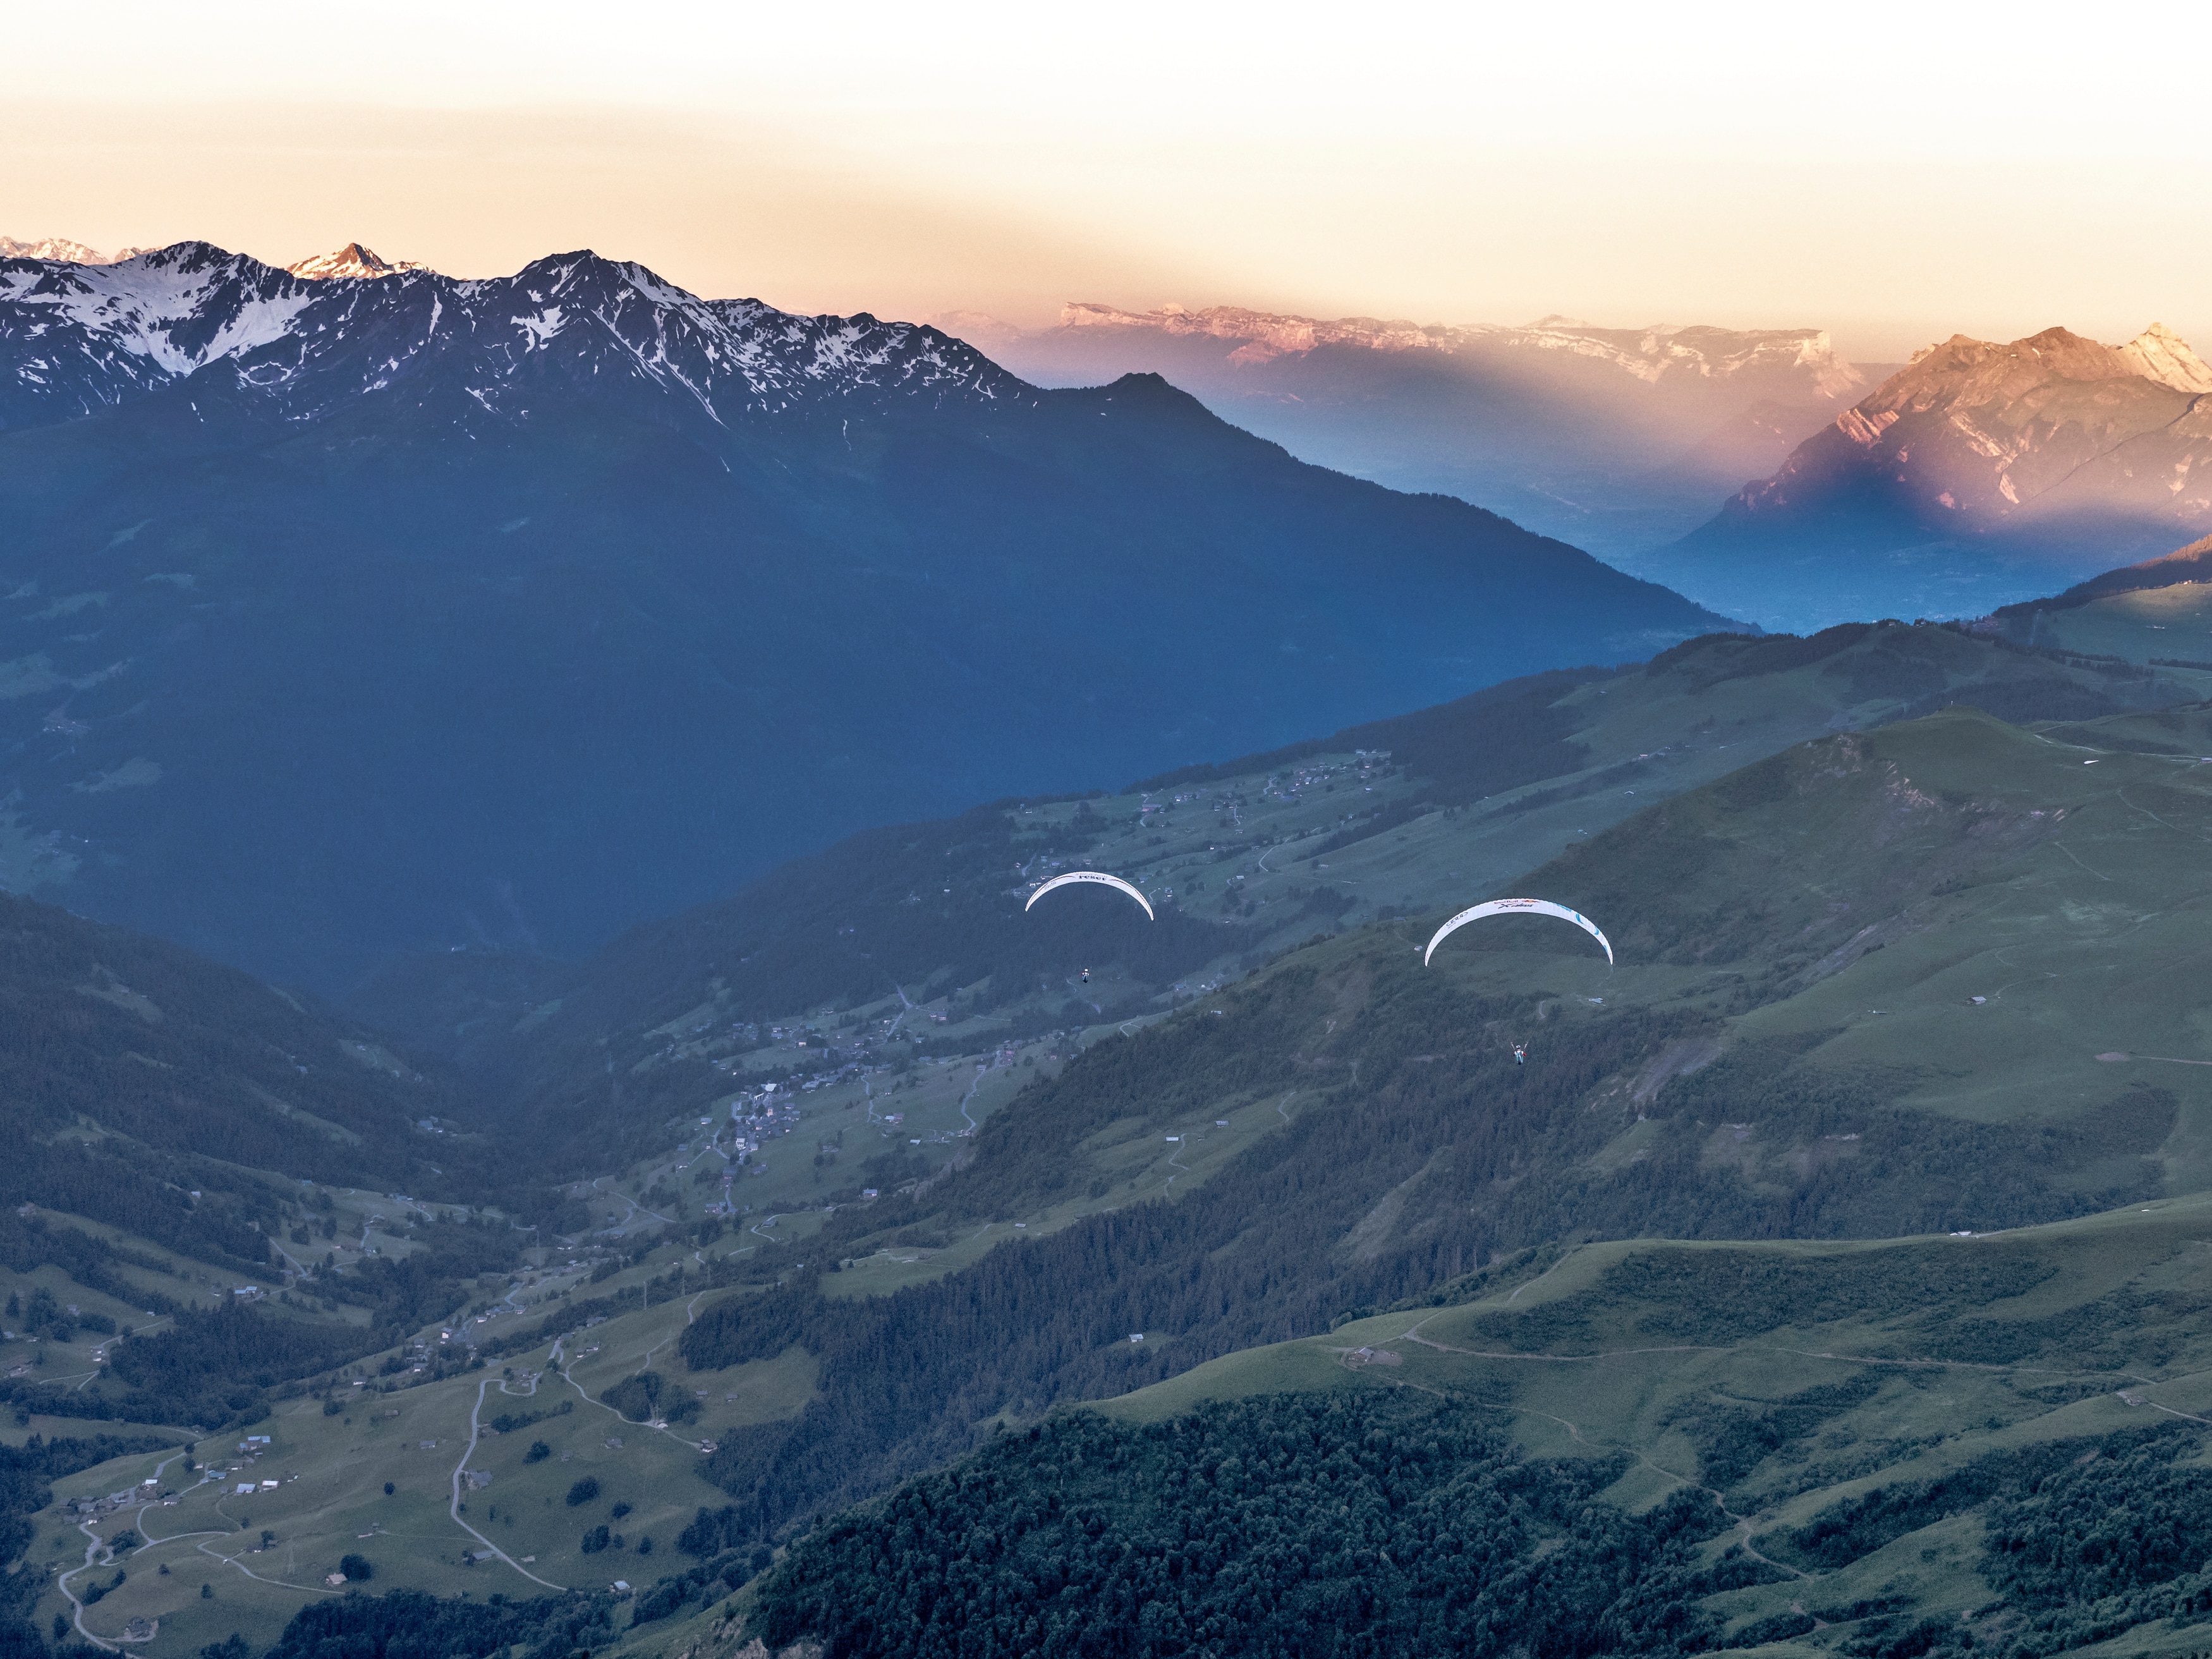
column 75, row 337
column 61, row 247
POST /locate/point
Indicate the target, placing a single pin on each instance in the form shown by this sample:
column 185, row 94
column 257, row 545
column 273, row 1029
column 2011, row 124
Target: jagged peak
column 353, row 262
column 2161, row 355
column 2158, row 355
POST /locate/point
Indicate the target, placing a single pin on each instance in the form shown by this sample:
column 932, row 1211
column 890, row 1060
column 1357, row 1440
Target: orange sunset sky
column 1892, row 172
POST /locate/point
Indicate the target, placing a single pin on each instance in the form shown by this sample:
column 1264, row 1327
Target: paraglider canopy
column 1519, row 907
column 1098, row 877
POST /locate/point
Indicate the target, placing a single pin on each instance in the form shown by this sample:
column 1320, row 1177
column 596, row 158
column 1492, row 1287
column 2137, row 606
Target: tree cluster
column 1288, row 1526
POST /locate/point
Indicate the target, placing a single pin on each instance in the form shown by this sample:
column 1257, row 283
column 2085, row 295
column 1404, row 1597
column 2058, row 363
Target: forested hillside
column 1275, row 1525
column 1985, row 1445
column 133, row 1073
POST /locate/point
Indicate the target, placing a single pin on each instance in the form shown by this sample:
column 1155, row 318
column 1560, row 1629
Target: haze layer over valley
column 1616, row 440
column 1758, row 471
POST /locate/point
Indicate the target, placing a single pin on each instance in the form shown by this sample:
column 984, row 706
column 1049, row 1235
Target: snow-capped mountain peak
column 354, row 262
column 77, row 337
column 61, row 248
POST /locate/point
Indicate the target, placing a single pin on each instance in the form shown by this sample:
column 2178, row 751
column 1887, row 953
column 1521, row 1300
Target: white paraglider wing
column 1100, row 877
column 1519, row 907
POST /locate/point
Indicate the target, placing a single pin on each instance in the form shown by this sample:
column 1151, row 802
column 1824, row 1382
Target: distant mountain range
column 1977, row 475
column 61, row 247
column 1980, row 474
column 347, row 616
column 1618, row 439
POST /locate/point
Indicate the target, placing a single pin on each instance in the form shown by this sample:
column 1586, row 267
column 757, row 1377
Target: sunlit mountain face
column 1981, row 474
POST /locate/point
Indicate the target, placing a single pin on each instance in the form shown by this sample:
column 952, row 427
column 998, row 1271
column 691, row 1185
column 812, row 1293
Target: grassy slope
column 1658, row 1350
column 1833, row 911
column 2055, row 876
column 332, row 1470
column 2171, row 624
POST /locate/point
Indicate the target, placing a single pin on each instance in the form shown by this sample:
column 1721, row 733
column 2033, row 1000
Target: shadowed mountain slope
column 358, row 614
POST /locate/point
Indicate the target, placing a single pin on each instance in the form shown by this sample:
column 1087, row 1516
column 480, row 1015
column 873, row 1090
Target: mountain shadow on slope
column 1970, row 479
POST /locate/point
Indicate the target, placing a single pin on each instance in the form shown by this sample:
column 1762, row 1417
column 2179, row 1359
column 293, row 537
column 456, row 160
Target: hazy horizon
column 1729, row 168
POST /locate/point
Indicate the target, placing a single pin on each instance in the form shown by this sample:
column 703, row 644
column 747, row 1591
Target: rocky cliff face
column 1986, row 433
column 2053, row 456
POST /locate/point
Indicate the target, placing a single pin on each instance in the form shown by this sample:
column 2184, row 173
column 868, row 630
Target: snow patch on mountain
column 61, row 248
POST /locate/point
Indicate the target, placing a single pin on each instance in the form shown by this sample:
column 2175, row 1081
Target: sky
column 1894, row 173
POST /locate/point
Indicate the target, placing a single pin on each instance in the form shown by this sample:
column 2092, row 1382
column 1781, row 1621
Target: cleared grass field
column 329, row 1500
column 2173, row 623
